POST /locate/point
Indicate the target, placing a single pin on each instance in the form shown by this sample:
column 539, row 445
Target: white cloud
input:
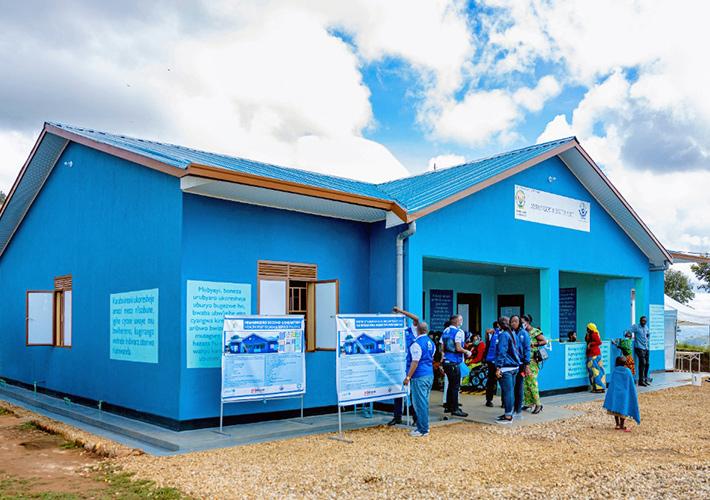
column 533, row 99
column 486, row 115
column 445, row 161
column 15, row 148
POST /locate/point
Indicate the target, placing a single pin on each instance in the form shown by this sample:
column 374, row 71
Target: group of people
column 634, row 341
column 513, row 353
column 514, row 359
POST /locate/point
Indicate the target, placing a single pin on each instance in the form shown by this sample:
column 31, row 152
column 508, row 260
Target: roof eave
column 217, row 173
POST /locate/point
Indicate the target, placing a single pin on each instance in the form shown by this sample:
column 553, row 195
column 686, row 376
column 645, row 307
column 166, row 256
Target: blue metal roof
column 411, row 193
column 420, row 191
column 181, row 157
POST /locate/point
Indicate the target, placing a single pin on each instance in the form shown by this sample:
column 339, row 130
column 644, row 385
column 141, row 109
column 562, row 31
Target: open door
column 322, row 306
column 468, row 305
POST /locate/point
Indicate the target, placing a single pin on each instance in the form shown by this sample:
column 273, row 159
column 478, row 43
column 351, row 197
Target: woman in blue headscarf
column 621, row 398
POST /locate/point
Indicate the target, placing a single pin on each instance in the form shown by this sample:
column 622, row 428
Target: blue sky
column 377, row 90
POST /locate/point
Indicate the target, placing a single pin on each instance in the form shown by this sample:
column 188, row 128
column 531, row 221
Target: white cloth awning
column 686, row 314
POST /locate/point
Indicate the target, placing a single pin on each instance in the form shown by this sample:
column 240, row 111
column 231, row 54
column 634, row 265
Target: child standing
column 621, row 398
column 626, row 346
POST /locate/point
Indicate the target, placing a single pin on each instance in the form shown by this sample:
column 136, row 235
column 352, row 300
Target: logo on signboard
column 520, row 198
column 583, row 211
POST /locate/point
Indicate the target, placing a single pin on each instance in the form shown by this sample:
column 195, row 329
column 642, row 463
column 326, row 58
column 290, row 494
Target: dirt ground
column 42, row 458
column 35, row 462
column 667, row 456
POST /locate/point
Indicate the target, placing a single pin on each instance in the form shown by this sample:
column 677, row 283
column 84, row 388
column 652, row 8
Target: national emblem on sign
column 520, row 198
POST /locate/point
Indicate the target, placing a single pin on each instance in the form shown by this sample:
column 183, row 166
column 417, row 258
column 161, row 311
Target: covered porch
column 560, row 302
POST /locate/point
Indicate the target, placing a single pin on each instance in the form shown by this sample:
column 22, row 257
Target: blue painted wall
column 383, row 267
column 482, row 228
column 222, row 241
column 115, row 227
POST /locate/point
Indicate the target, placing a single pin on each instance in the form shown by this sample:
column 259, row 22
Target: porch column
column 641, row 287
column 550, row 303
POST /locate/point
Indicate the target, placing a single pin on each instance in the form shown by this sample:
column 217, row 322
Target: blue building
column 131, row 225
column 369, row 345
column 256, row 344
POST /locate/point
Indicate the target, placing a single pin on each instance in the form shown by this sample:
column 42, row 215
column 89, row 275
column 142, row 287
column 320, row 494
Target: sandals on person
column 538, row 409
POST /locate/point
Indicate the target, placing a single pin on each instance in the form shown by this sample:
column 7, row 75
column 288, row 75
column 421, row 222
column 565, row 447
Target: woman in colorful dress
column 595, row 366
column 532, row 391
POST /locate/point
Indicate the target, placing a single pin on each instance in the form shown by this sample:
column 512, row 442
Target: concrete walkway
column 553, row 406
column 160, row 441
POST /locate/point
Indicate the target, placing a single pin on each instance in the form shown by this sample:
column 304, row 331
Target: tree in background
column 702, row 272
column 2, row 198
column 678, row 287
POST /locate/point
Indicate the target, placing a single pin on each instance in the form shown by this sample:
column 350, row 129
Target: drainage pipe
column 400, row 261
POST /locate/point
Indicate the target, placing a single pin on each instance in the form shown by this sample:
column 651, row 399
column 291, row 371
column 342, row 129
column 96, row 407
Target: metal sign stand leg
column 408, row 402
column 340, row 436
column 221, row 419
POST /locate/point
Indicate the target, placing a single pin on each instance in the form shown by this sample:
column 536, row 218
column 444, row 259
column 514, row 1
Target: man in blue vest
column 452, row 341
column 421, row 377
column 409, row 337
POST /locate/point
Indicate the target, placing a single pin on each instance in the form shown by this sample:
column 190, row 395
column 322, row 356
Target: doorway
column 468, row 305
column 511, row 305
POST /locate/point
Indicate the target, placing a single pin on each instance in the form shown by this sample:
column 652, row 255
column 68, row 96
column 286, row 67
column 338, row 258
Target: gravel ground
column 668, row 456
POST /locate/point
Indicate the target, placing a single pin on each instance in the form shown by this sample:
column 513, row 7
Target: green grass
column 123, row 485
column 5, row 411
column 28, row 426
column 117, row 485
column 689, row 347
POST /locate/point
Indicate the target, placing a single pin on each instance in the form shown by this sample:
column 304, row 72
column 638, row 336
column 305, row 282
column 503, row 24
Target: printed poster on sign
column 371, row 358
column 656, row 327
column 533, row 205
column 263, row 357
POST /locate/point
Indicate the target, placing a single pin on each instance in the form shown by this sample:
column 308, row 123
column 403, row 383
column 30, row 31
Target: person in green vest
column 626, row 346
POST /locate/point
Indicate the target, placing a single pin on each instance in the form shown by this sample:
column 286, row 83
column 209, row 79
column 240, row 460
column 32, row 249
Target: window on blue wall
column 49, row 315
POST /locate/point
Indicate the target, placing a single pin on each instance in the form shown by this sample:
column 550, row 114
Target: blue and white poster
column 441, row 308
column 576, row 359
column 208, row 302
column 262, row 357
column 656, row 327
column 568, row 311
column 134, row 326
column 371, row 357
